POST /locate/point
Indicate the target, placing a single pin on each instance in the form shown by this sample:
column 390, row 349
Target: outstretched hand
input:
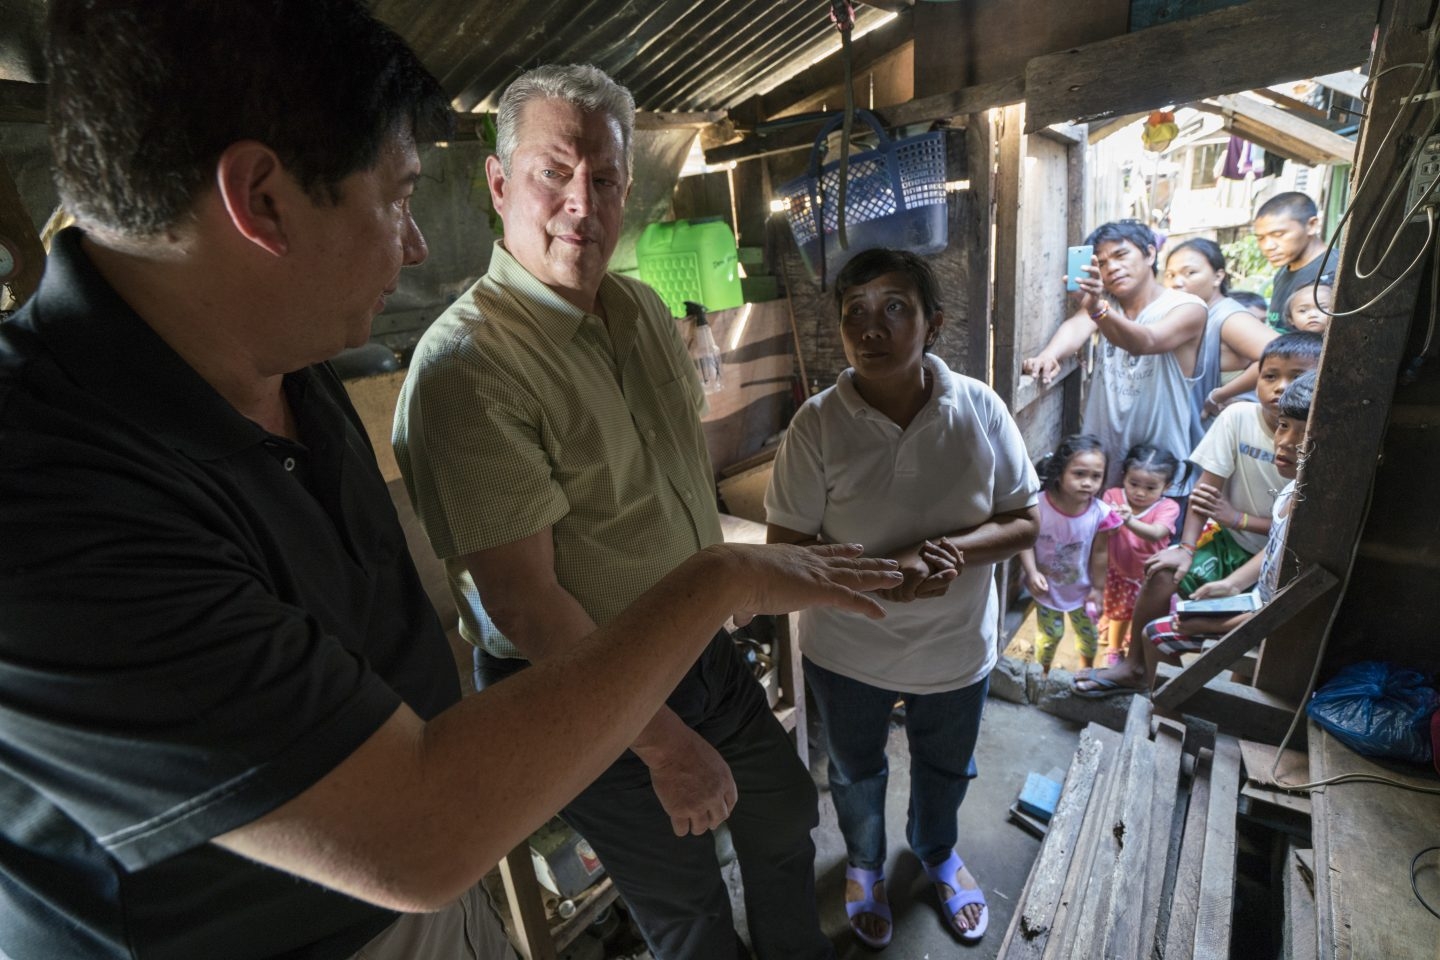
column 781, row 577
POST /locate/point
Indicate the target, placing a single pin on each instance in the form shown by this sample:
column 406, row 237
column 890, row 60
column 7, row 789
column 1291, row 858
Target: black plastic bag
column 1379, row 710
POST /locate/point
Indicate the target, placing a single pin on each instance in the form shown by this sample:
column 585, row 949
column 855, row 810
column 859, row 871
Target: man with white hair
column 549, row 435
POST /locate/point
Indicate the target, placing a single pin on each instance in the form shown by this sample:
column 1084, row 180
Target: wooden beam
column 1297, row 138
column 1177, row 62
column 1352, row 401
column 1236, row 708
column 22, row 102
column 942, row 106
column 1288, row 103
column 1009, row 189
column 1314, row 582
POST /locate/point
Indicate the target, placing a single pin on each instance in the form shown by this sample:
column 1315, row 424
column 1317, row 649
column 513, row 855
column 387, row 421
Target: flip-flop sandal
column 1103, row 688
column 866, row 880
column 948, row 874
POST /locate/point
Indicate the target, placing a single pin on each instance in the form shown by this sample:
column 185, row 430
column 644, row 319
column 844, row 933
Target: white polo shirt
column 850, row 474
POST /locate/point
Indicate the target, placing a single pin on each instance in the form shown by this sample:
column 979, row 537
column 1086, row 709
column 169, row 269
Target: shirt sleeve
column 468, row 439
column 1016, row 485
column 796, row 496
column 1167, row 514
column 1109, row 518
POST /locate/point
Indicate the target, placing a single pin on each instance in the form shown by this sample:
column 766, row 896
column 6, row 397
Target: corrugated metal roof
column 674, row 55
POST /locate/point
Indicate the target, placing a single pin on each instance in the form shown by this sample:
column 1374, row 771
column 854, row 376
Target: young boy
column 1174, row 635
column 1230, row 508
column 1288, row 229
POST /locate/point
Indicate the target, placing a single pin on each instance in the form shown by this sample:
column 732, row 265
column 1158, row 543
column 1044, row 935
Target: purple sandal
column 866, row 879
column 947, row 873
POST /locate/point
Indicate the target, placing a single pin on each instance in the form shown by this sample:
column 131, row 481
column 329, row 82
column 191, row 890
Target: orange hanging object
column 1159, row 130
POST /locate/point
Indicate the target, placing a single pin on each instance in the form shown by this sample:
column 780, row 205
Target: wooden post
column 1007, row 195
column 1362, row 357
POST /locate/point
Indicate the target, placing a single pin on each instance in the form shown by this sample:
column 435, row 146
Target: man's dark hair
column 1132, row 232
column 1293, row 204
column 869, row 264
column 144, row 96
column 1295, row 401
column 1299, row 345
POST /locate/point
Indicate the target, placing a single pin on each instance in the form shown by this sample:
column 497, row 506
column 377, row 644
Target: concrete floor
column 1014, row 740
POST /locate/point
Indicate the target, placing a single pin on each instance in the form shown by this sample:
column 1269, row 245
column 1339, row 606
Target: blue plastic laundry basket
column 894, row 197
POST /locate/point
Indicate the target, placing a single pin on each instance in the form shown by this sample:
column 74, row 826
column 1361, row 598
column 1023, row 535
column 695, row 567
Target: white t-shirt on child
column 1241, row 446
column 850, row 474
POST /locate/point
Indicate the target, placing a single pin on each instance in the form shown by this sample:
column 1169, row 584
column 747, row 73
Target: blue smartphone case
column 1076, row 260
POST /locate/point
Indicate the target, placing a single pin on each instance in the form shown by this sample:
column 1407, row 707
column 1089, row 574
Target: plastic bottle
column 703, row 349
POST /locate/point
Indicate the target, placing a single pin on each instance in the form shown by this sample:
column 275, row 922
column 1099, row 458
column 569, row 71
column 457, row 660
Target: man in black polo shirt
column 229, row 723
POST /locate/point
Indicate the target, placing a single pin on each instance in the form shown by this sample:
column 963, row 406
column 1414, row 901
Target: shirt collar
column 555, row 316
column 107, row 348
column 943, row 393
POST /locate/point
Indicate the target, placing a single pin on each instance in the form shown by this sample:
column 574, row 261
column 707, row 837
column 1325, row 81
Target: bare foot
column 872, row 925
column 969, row 916
column 1120, row 675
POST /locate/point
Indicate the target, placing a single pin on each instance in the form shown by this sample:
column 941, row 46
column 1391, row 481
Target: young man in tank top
column 1149, row 342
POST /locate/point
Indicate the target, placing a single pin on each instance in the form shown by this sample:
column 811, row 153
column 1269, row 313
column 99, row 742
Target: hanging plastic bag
column 1379, row 710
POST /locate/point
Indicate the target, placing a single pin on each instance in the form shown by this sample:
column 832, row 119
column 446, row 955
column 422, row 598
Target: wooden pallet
column 1139, row 861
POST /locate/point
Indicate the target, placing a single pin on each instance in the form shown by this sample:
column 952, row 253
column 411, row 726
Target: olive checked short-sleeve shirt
column 522, row 411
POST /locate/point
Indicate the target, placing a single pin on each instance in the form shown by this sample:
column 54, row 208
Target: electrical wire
column 1415, row 887
column 1274, row 775
column 1424, row 68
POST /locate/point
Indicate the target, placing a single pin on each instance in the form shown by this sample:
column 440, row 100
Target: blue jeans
column 942, row 729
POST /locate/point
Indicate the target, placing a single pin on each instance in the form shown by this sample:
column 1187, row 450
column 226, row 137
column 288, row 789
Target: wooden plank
column 1178, row 927
column 1237, row 709
column 1217, row 871
column 1297, row 933
column 980, row 165
column 527, row 908
column 1030, row 925
column 22, row 102
column 1009, row 198
column 1352, row 400
column 1068, row 913
column 1151, row 13
column 1178, row 60
column 957, row 103
column 1290, row 600
column 983, row 40
column 1135, row 870
column 1130, row 791
column 1297, row 137
column 1260, row 757
column 1365, row 836
column 1165, row 797
column 1348, row 82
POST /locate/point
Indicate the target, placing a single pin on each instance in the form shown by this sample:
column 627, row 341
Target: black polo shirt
column 198, row 620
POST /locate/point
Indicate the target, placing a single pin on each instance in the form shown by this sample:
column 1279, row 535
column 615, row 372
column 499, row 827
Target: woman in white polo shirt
column 926, row 466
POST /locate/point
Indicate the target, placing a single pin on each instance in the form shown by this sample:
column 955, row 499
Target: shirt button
column 289, row 463
column 650, row 434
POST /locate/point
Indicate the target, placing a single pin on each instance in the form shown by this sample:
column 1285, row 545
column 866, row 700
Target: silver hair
column 586, row 86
